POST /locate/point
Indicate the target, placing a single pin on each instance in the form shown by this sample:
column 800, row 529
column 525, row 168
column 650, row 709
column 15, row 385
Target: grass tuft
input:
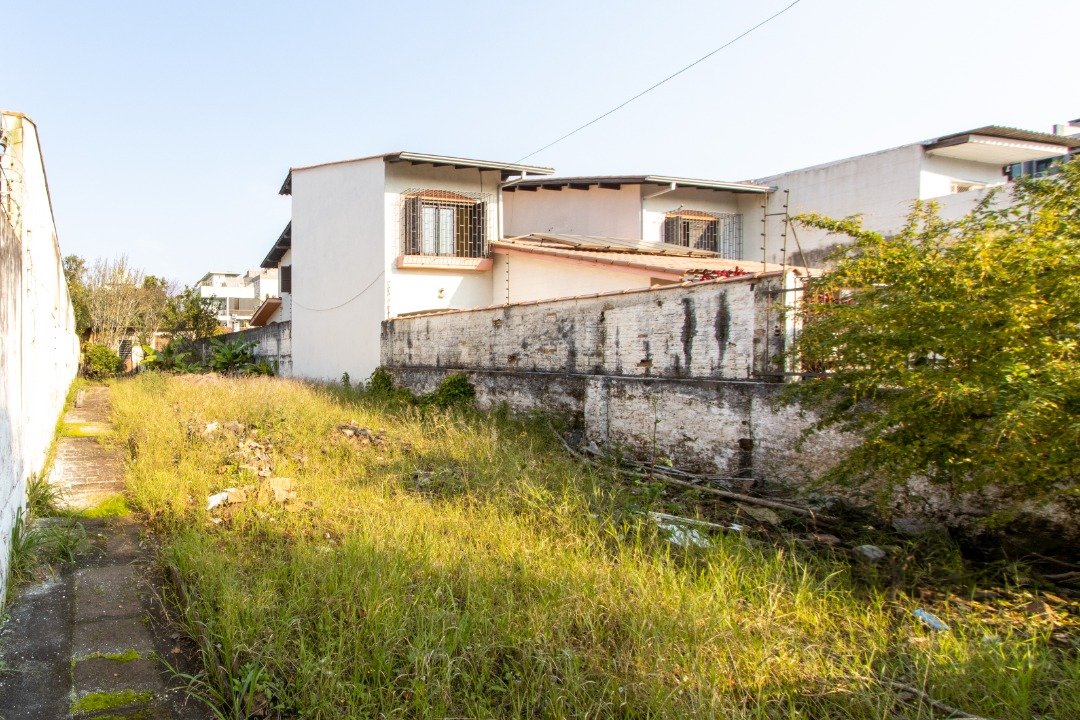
column 463, row 565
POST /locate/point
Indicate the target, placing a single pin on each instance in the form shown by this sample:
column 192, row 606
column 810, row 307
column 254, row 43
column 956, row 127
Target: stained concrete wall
column 717, row 330
column 618, row 368
column 39, row 351
column 273, row 343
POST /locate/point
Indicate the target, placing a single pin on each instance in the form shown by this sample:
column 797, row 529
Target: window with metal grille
column 285, row 275
column 716, row 232
column 444, row 222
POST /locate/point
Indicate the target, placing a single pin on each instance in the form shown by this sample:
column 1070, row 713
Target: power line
column 675, row 74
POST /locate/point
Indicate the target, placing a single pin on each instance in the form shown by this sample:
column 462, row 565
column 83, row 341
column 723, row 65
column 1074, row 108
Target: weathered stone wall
column 273, row 343
column 716, row 421
column 727, row 330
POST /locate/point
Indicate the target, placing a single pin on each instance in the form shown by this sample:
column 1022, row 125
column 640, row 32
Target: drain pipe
column 674, row 186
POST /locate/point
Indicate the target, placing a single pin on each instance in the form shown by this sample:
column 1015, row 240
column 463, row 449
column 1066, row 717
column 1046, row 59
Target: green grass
column 101, row 701
column 467, row 567
column 114, row 506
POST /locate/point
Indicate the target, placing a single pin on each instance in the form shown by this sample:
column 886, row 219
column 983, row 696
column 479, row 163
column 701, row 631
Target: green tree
column 951, row 348
column 75, row 274
column 188, row 315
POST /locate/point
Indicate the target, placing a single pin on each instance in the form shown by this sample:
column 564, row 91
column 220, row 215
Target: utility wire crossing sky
column 168, row 128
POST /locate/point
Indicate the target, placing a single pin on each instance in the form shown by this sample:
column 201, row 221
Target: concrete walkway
column 80, row 644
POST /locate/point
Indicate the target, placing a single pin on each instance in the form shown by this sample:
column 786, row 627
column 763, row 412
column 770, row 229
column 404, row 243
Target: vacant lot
column 440, row 564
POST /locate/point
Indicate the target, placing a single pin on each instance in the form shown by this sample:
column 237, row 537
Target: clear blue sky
column 168, row 127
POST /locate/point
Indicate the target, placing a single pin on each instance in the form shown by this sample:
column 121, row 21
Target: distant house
column 954, row 170
column 237, row 295
column 714, row 215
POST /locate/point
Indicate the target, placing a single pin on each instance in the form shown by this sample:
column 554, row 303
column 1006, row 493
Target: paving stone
column 111, row 636
column 106, row 592
column 103, row 675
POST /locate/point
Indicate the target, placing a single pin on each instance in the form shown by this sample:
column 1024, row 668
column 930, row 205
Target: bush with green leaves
column 100, row 362
column 455, row 390
column 178, row 356
column 237, row 357
column 952, row 348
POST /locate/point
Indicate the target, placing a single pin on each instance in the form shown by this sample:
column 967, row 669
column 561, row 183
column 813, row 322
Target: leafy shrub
column 176, row 357
column 380, row 382
column 234, row 357
column 100, row 362
column 454, row 391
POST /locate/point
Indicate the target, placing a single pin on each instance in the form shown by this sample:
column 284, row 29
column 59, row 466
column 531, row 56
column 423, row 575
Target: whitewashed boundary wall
column 39, row 350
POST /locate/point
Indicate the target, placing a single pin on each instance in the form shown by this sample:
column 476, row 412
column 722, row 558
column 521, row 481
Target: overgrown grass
column 464, row 566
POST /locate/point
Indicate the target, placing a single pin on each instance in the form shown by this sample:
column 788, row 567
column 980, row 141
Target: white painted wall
column 596, row 211
column 39, row 351
column 339, row 271
column 938, row 174
column 346, row 238
column 533, row 277
column 880, row 186
column 283, row 313
column 413, row 290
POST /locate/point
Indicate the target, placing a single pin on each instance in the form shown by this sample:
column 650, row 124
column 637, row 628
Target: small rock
column 281, row 487
column 870, row 552
column 761, row 514
column 911, row 527
column 824, row 538
column 211, row 427
column 1037, row 607
column 234, row 426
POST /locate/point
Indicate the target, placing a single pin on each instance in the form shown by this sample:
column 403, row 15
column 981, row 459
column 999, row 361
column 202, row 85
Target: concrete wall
column 273, row 342
column 717, row 330
column 596, row 211
column 339, row 268
column 522, row 277
column 39, row 351
column 880, row 186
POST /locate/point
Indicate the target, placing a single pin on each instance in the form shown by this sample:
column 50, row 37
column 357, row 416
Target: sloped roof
column 672, row 262
column 614, row 182
column 281, row 245
column 506, row 169
column 1008, row 133
column 262, row 314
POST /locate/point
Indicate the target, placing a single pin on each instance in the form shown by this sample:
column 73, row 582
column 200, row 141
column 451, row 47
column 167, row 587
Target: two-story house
column 381, row 236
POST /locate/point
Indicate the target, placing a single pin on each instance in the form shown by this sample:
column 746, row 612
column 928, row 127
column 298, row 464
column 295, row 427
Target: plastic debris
column 931, row 620
column 680, row 534
column 220, row 498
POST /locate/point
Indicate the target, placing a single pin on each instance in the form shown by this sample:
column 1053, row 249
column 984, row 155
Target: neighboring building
column 236, row 295
column 956, row 171
column 275, row 309
column 722, row 217
column 39, row 351
column 382, row 236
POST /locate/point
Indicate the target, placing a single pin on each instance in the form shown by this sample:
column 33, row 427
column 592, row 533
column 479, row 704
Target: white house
column 723, row 217
column 381, row 236
column 956, row 171
column 237, row 295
